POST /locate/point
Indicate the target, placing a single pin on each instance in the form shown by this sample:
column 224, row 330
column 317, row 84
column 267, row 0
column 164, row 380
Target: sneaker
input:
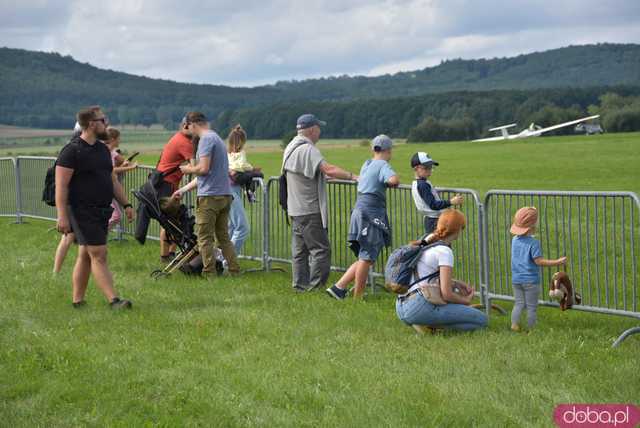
column 79, row 304
column 118, row 303
column 337, row 293
column 219, row 267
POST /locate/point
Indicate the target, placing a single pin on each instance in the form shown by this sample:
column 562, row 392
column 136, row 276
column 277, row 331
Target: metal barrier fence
column 27, row 174
column 597, row 231
column 30, row 174
column 8, row 197
column 406, row 224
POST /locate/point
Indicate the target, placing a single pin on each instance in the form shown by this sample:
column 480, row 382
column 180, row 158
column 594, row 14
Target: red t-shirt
column 178, row 149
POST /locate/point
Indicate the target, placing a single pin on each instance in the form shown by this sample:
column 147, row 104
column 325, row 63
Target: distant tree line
column 434, row 117
column 45, row 90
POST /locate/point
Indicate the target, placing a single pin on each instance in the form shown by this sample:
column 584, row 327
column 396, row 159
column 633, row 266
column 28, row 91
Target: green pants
column 212, row 224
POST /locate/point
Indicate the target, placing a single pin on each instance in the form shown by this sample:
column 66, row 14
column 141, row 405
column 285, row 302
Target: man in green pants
column 214, row 195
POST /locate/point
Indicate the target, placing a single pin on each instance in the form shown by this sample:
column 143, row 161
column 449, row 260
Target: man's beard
column 102, row 135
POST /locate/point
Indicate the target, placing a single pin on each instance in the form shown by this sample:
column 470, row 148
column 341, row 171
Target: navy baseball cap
column 381, row 142
column 309, row 120
column 422, row 158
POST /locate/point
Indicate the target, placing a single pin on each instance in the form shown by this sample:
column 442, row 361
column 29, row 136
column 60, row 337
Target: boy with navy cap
column 425, row 196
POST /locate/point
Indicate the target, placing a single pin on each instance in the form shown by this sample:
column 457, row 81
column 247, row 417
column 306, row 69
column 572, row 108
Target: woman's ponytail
column 450, row 222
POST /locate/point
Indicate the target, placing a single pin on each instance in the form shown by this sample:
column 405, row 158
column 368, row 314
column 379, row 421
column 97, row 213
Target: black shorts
column 90, row 224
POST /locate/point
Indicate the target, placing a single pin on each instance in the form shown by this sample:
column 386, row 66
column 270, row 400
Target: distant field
column 603, row 162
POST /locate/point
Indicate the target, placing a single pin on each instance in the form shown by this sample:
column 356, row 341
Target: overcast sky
column 248, row 43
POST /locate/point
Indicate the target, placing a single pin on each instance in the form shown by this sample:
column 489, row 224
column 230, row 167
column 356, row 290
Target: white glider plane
column 532, row 131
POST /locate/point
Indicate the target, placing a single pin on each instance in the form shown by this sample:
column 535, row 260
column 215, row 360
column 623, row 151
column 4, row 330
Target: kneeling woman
column 428, row 306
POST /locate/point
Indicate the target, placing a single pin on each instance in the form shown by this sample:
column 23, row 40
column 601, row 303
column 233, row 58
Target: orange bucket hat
column 524, row 219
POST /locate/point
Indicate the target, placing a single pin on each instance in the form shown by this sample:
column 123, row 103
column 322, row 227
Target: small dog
column 562, row 290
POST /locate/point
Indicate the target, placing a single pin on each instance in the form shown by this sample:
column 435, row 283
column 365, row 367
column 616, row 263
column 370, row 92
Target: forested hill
column 46, row 89
column 574, row 66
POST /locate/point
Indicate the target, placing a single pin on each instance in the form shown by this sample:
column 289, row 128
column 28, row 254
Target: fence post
column 484, row 259
column 16, row 168
column 266, row 205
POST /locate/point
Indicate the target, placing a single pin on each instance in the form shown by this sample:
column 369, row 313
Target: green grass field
column 247, row 351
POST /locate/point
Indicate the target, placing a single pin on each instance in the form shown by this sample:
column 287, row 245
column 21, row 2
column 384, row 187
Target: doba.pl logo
column 597, row 415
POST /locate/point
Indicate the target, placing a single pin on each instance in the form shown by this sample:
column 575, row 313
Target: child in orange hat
column 526, row 257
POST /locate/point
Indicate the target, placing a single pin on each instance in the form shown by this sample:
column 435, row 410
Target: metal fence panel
column 8, row 196
column 31, row 172
column 406, row 225
column 597, row 231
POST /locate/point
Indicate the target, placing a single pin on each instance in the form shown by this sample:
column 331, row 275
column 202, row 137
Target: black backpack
column 49, row 191
column 282, row 182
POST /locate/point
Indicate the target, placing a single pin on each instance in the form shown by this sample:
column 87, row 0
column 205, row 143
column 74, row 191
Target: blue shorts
column 365, row 252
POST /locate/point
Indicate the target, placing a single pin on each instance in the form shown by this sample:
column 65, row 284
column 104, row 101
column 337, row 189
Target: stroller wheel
column 156, row 274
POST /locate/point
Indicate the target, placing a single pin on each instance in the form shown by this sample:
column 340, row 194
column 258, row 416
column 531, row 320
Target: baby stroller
column 178, row 224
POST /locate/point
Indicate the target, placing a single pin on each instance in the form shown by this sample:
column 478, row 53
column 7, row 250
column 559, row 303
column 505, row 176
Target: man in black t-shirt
column 85, row 186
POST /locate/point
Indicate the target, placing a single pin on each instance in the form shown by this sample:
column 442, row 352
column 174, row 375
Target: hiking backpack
column 402, row 265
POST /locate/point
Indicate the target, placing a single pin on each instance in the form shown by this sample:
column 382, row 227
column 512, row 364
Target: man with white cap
column 425, row 196
column 306, row 170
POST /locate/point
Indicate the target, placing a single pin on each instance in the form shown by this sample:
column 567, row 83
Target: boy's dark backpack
column 282, row 182
column 402, row 265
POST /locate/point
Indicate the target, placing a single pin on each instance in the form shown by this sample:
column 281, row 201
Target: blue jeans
column 417, row 310
column 238, row 224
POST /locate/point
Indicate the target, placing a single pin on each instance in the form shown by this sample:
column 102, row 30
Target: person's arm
column 200, row 168
column 393, row 181
column 424, row 189
column 388, row 176
column 125, row 167
column 121, row 197
column 119, row 160
column 446, row 288
column 333, row 171
column 63, row 178
column 550, row 262
column 184, row 189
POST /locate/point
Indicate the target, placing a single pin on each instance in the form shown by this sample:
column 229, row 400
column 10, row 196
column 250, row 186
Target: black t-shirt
column 91, row 183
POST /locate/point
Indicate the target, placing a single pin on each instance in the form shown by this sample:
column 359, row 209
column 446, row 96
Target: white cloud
column 248, row 42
